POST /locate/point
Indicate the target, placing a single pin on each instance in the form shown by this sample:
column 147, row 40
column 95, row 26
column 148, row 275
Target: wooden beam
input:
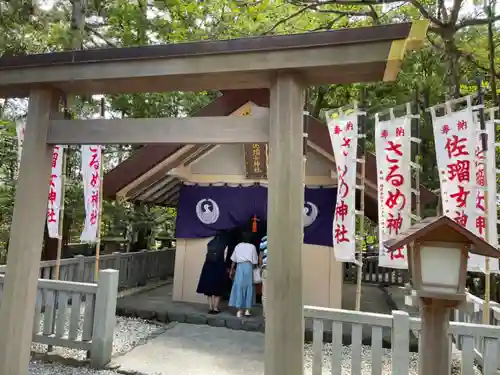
column 197, row 72
column 189, row 130
column 172, row 159
column 284, row 342
column 162, row 189
column 26, row 238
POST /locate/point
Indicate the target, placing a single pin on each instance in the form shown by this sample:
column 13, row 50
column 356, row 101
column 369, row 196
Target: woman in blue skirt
column 244, row 259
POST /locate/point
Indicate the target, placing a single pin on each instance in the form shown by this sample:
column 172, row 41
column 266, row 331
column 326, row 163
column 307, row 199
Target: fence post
column 168, row 263
column 104, row 318
column 118, row 263
column 117, row 260
column 143, row 268
column 80, row 268
column 400, row 343
column 496, row 321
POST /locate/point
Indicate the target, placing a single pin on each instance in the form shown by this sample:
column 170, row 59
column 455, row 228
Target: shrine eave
column 337, row 56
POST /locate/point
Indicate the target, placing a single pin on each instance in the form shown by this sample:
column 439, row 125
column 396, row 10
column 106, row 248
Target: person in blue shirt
column 263, row 264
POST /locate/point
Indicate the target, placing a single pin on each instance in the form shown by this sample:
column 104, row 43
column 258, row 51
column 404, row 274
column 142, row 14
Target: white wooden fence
column 400, row 324
column 77, row 315
column 471, row 312
column 136, row 268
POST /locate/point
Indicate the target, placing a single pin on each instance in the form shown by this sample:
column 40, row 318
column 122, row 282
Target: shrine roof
column 147, row 168
column 337, row 56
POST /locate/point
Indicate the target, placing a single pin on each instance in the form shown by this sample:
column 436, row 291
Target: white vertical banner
column 485, row 215
column 456, row 141
column 492, row 187
column 55, row 186
column 20, row 128
column 91, row 173
column 344, row 137
column 55, row 193
column 393, row 151
column 477, row 214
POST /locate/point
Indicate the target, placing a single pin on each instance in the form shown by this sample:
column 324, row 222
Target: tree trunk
column 141, row 231
column 453, row 69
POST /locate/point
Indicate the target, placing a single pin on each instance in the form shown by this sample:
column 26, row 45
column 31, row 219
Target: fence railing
column 136, row 268
column 471, row 312
column 373, row 274
column 401, row 325
column 77, row 315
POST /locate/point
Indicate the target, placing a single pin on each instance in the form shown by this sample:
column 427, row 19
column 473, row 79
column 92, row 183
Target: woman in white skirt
column 244, row 259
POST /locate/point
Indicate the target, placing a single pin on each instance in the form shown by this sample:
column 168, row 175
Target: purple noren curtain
column 205, row 210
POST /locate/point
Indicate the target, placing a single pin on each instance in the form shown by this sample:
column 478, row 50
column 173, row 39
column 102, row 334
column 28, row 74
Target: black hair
column 246, row 237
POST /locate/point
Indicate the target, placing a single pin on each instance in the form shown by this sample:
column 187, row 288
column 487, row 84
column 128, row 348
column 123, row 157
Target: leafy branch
column 100, row 36
column 476, row 22
column 467, row 56
column 318, row 7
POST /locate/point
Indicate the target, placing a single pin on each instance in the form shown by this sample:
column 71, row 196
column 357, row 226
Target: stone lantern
column 438, row 250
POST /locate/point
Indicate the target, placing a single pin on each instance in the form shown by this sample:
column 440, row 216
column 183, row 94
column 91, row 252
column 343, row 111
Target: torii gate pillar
column 284, row 350
column 26, row 237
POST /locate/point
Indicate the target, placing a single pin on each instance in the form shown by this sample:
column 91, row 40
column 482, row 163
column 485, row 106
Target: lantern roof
column 442, row 229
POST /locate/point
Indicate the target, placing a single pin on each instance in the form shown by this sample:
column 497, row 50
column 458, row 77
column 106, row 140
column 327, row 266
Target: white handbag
column 257, row 277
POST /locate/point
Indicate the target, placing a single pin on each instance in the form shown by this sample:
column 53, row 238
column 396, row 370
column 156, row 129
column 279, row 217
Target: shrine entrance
column 285, row 64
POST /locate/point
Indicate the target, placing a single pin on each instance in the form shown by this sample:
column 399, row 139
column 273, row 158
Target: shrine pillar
column 284, row 343
column 26, row 237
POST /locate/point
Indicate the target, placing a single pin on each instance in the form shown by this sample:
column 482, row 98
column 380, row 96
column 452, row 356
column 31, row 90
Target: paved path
column 190, row 349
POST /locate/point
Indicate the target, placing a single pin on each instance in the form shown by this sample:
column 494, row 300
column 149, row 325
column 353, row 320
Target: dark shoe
column 211, row 312
column 215, row 311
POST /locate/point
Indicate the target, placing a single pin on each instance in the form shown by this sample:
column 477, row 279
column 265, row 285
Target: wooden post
column 435, row 351
column 284, row 348
column 400, row 342
column 361, row 213
column 80, row 269
column 104, row 318
column 484, row 146
column 99, row 223
column 26, row 237
column 50, row 348
column 98, row 243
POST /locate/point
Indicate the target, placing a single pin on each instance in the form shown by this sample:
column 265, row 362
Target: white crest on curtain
column 207, row 211
column 55, row 185
column 344, row 137
column 310, row 213
column 393, row 152
column 91, row 173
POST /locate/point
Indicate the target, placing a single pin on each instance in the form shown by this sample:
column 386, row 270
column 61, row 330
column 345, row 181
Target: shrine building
column 219, row 188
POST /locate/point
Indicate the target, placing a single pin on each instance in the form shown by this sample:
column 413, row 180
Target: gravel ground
column 366, row 361
column 129, row 332
column 39, row 368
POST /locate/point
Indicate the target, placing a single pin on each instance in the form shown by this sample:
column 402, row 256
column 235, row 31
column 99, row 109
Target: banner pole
column 362, row 158
column 99, row 222
column 67, row 115
column 415, row 114
column 61, row 215
column 484, row 146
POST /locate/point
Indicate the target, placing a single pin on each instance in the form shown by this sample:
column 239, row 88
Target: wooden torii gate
column 284, row 64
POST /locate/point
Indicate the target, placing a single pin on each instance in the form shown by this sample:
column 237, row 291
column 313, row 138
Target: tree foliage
column 455, row 53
